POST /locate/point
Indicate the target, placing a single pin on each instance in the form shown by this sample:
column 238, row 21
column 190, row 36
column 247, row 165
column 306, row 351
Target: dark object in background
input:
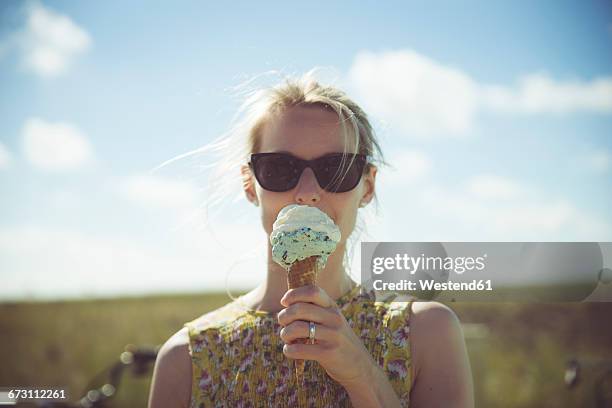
column 139, row 359
column 603, row 384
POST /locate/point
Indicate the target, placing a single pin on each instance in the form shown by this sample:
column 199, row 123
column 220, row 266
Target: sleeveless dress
column 238, row 361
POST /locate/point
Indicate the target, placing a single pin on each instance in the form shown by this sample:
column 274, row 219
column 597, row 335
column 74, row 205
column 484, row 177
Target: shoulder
column 216, row 319
column 425, row 315
column 177, row 345
column 433, row 325
column 428, row 316
column 434, row 315
column 171, row 383
column 439, row 352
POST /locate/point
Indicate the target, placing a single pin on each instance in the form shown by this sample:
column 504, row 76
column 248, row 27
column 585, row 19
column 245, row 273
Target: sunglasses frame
column 314, row 164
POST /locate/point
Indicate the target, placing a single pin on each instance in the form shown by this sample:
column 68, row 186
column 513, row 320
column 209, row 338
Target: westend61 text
column 429, row 284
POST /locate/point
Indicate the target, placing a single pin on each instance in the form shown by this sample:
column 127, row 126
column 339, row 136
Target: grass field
column 518, row 351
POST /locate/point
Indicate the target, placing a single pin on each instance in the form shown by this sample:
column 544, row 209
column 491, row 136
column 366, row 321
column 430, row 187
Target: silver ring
column 312, row 327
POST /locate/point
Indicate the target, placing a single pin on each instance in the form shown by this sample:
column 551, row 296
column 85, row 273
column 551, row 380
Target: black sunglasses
column 335, row 172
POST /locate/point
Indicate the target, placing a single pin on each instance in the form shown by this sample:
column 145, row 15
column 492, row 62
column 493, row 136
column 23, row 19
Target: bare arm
column 442, row 367
column 171, row 383
column 377, row 391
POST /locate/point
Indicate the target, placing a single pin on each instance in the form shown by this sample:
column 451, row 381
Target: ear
column 248, row 184
column 369, row 184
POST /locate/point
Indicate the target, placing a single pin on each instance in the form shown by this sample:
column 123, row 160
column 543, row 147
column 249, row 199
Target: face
column 308, row 133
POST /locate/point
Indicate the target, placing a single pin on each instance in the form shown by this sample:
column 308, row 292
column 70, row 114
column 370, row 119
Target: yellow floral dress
column 238, row 358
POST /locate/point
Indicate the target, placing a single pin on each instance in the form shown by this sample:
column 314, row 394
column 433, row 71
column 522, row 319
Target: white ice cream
column 301, row 231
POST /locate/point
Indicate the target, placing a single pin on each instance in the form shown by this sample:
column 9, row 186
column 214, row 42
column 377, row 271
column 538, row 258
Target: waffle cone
column 302, row 273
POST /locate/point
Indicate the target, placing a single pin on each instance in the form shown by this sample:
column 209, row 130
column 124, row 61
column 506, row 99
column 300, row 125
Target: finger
column 300, row 330
column 309, row 293
column 308, row 312
column 301, row 351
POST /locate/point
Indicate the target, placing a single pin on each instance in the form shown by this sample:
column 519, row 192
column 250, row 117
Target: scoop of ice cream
column 301, row 231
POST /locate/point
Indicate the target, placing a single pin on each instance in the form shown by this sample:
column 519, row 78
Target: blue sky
column 499, row 128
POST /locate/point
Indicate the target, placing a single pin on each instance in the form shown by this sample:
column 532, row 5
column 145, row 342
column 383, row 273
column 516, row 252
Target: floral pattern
column 238, row 360
column 400, row 336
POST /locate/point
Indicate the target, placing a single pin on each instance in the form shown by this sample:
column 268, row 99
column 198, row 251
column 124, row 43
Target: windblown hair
column 232, row 149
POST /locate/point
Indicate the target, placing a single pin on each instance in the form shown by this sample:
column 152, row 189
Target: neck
column 332, row 279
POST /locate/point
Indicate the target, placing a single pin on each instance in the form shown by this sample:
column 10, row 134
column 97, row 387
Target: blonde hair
column 233, row 148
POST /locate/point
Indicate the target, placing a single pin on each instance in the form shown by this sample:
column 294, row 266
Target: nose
column 308, row 189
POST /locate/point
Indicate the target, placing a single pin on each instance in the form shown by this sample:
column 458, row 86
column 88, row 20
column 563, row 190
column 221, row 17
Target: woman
column 367, row 352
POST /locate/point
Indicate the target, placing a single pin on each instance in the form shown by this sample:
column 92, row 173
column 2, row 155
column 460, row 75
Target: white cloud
column 490, row 186
column 55, row 146
column 414, row 92
column 409, row 166
column 423, row 97
column 48, row 43
column 538, row 93
column 5, row 157
column 52, row 262
column 484, row 207
column 528, row 217
column 66, row 200
column 159, row 192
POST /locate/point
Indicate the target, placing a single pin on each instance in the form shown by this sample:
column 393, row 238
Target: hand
column 339, row 351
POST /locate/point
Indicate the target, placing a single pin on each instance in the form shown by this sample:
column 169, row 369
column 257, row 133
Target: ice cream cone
column 302, row 238
column 302, row 273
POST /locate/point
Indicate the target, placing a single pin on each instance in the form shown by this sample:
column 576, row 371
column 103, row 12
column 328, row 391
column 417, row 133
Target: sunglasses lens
column 336, row 173
column 276, row 172
column 340, row 173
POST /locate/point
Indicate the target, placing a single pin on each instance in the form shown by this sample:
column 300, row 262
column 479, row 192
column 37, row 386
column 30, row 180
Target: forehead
column 305, row 131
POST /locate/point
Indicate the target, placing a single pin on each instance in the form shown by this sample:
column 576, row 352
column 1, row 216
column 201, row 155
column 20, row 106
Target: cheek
column 271, row 204
column 347, row 224
column 345, row 213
